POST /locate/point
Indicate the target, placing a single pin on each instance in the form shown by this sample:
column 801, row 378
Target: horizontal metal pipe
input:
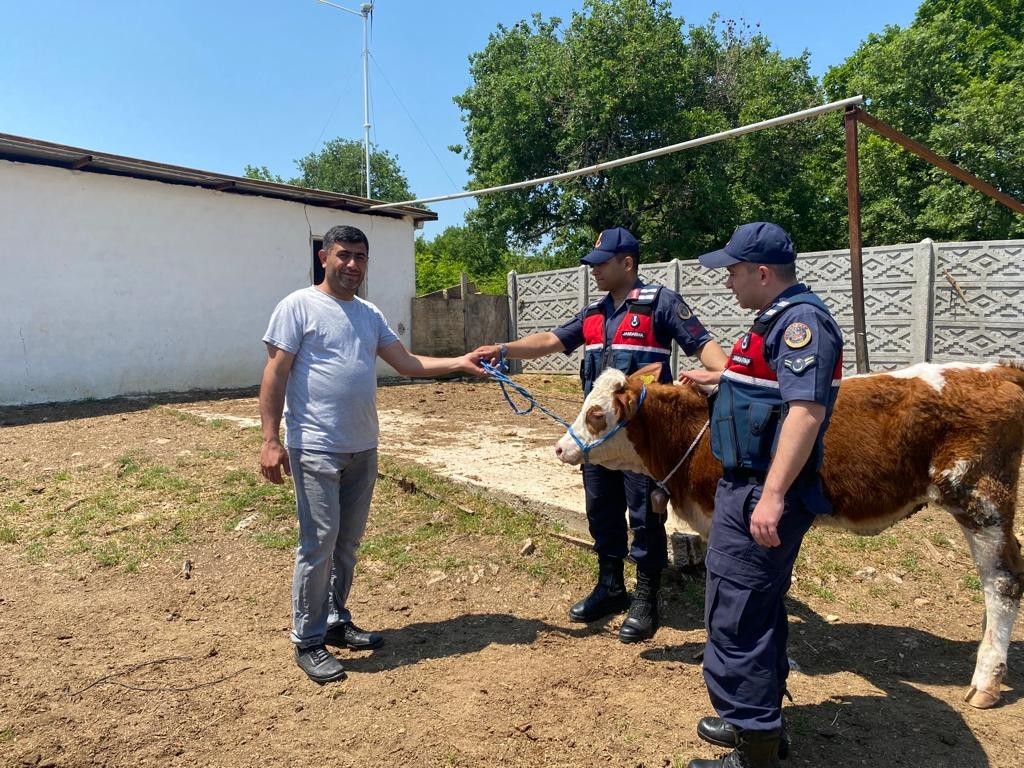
column 731, row 133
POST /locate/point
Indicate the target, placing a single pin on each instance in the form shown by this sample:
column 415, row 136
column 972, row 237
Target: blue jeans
column 332, row 499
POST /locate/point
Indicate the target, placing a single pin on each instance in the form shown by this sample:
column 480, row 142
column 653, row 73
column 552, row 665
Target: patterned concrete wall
column 979, row 300
column 923, row 301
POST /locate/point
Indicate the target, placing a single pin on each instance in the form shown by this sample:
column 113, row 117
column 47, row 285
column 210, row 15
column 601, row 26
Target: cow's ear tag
column 647, row 379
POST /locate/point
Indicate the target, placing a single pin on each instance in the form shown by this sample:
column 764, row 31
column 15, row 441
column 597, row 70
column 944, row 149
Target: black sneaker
column 321, row 666
column 348, row 635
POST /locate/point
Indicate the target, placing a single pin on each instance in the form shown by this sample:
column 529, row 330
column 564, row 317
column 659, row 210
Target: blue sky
column 217, row 84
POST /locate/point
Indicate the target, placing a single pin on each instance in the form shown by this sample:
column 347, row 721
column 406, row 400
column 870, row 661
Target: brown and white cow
column 949, row 435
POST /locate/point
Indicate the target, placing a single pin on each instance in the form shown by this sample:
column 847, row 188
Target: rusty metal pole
column 860, row 336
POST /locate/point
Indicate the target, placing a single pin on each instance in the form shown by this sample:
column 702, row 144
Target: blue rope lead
column 497, row 373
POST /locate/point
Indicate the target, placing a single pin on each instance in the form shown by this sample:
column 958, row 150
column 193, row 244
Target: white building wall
column 112, row 285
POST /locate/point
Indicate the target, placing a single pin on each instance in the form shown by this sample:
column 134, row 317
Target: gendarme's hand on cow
column 701, row 376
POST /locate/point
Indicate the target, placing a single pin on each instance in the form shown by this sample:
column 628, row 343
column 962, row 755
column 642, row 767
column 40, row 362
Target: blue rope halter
column 497, row 373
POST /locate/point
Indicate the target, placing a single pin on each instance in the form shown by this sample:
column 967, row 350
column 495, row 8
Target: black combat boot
column 756, row 749
column 608, row 596
column 642, row 621
column 717, row 731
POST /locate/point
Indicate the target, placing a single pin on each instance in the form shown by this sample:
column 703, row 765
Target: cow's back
column 893, row 435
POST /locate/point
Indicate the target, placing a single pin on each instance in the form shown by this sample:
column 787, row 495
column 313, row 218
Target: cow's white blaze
column 616, row 453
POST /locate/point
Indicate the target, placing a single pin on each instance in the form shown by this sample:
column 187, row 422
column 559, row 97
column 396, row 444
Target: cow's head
column 611, row 404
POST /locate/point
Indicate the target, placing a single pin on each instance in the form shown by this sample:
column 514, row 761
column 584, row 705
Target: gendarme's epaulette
column 592, row 307
column 645, row 295
column 765, row 320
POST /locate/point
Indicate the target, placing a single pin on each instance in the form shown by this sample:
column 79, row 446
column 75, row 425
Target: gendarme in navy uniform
column 627, row 336
column 768, row 420
column 630, row 327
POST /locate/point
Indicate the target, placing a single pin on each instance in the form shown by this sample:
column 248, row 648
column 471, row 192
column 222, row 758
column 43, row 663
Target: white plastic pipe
column 732, row 132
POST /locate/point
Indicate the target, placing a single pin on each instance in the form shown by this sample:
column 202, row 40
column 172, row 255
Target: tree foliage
column 954, row 81
column 623, row 77
column 341, row 167
column 626, row 76
column 440, row 261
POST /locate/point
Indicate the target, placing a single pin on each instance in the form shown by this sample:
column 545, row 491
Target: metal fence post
column 677, row 284
column 584, row 287
column 512, row 281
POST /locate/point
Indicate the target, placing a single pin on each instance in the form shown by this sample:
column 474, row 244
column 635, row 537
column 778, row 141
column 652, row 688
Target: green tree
column 954, row 81
column 340, row 167
column 622, row 77
column 462, row 249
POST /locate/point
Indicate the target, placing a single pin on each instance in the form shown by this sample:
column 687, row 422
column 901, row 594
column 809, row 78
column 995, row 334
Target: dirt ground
column 114, row 658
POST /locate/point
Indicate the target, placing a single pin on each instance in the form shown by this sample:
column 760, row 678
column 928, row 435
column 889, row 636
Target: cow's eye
column 596, row 421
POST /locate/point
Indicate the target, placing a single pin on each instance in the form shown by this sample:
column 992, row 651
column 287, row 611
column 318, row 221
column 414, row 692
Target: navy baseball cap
column 610, row 242
column 760, row 242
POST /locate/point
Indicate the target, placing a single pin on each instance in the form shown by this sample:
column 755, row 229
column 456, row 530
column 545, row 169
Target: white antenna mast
column 366, row 11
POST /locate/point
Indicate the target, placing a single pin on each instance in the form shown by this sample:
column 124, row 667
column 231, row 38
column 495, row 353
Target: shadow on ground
column 858, row 730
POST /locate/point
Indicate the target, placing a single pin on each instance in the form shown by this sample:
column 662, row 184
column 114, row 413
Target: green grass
column 391, row 548
column 839, row 569
column 188, row 418
column 35, row 552
column 120, row 517
column 243, row 493
column 160, row 478
column 881, row 542
column 277, row 539
column 690, row 593
column 13, row 509
column 128, row 464
column 819, row 591
column 209, row 453
column 880, row 590
column 124, row 514
column 909, row 562
column 971, row 582
column 416, row 517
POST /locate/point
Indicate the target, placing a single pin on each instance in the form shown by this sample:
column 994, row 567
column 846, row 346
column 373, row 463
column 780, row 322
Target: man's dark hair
column 621, row 256
column 343, row 233
column 785, row 272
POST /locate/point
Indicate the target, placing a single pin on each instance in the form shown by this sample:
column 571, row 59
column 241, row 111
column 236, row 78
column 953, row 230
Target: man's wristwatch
column 503, row 351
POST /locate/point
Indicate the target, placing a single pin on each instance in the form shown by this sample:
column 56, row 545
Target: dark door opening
column 318, row 268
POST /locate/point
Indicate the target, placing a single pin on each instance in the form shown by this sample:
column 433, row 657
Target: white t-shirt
column 331, row 398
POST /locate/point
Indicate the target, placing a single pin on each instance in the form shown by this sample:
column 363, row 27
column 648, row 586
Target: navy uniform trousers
column 609, row 493
column 745, row 661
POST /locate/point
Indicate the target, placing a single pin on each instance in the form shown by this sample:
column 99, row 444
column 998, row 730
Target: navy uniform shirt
column 673, row 319
column 803, row 348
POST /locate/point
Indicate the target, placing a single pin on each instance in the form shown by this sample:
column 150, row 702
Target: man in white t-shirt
column 322, row 345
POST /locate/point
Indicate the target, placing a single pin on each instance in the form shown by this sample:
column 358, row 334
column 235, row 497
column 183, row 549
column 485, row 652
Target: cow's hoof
column 982, row 699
